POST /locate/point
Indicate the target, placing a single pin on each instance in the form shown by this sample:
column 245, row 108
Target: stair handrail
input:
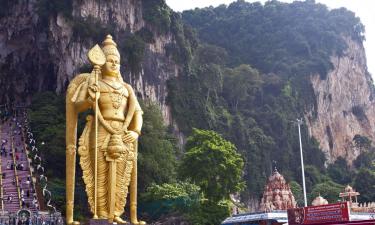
column 44, row 188
column 1, row 172
column 15, row 167
column 28, row 162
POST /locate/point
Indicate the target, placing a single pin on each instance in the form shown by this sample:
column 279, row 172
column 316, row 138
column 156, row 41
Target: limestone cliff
column 42, row 50
column 345, row 104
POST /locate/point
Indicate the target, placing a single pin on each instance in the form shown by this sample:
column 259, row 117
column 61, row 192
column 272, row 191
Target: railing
column 15, row 167
column 1, row 177
column 28, row 162
column 41, row 183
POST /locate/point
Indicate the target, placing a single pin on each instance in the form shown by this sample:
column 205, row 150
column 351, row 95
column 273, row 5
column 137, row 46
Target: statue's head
column 112, row 65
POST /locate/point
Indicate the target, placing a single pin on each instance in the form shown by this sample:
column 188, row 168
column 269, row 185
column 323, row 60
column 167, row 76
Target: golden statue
column 108, row 143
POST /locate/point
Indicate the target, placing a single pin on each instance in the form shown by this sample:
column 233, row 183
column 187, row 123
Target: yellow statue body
column 108, row 143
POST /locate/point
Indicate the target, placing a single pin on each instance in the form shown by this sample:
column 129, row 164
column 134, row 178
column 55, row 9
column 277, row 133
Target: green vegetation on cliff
column 288, row 39
column 249, row 81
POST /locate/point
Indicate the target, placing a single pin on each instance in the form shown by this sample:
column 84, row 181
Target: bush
column 359, row 113
column 167, row 198
column 208, row 213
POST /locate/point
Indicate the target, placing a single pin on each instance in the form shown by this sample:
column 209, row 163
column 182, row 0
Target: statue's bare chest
column 113, row 98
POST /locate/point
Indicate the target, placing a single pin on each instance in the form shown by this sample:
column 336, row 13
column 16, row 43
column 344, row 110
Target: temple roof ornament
column 277, row 194
column 319, row 201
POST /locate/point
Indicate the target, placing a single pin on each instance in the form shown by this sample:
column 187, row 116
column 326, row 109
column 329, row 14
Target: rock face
column 43, row 53
column 39, row 53
column 345, row 105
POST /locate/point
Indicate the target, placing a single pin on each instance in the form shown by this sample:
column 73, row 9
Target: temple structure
column 277, row 194
column 350, row 195
column 277, row 197
column 319, row 201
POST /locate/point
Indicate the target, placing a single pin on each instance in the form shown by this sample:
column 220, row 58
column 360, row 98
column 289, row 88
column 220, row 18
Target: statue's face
column 112, row 65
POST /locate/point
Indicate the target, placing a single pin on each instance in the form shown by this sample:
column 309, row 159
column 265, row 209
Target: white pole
column 299, row 121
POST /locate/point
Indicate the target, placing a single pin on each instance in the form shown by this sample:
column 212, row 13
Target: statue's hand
column 130, row 136
column 93, row 88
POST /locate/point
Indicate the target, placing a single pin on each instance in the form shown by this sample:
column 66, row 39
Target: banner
column 338, row 212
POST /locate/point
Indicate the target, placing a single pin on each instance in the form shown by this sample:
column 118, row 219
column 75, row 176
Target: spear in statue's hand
column 97, row 59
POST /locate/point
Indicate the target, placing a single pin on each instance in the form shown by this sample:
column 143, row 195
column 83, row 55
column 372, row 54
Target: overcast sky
column 364, row 9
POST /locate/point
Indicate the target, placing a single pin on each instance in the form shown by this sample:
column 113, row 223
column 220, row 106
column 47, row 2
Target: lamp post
column 299, row 122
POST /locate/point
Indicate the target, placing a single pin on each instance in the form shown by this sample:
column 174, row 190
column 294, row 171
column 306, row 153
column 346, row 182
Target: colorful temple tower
column 277, row 194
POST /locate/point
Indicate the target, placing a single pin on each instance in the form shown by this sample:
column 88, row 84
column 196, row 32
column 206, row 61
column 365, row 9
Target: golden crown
column 110, row 47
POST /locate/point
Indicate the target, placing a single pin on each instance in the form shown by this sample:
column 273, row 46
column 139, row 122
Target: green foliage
column 146, row 35
column 213, row 164
column 362, row 142
column 290, row 39
column 57, row 188
column 241, row 83
column 157, row 13
column 365, row 160
column 364, row 183
column 186, row 42
column 249, row 109
column 157, row 150
column 90, row 28
column 297, row 192
column 312, row 176
column 47, row 121
column 48, row 8
column 184, row 199
column 340, row 172
column 328, row 190
column 169, row 198
column 85, row 68
column 359, row 113
column 208, row 213
column 257, row 156
column 133, row 46
column 171, row 191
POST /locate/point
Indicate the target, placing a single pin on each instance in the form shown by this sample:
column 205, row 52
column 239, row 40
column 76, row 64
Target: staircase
column 16, row 181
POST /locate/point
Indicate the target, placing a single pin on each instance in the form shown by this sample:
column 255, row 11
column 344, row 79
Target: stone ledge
column 102, row 222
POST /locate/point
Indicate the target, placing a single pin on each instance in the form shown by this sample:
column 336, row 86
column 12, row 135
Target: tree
column 340, row 172
column 328, row 190
column 362, row 142
column 157, row 149
column 47, row 122
column 297, row 192
column 313, row 176
column 366, row 160
column 364, row 183
column 240, row 83
column 212, row 163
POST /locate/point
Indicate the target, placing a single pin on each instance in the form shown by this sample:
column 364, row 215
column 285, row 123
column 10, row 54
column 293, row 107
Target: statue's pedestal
column 103, row 222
